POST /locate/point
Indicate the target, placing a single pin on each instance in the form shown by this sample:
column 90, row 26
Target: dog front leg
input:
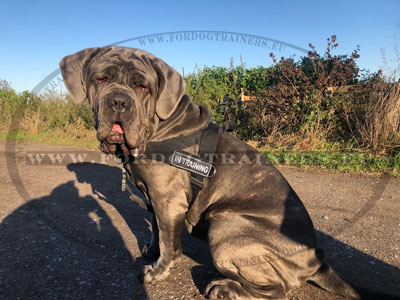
column 170, row 230
column 152, row 249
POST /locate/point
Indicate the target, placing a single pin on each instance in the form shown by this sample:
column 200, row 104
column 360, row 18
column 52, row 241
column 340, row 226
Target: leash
column 142, row 203
column 200, row 166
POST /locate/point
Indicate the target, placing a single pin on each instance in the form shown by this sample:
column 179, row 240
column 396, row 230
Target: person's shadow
column 71, row 246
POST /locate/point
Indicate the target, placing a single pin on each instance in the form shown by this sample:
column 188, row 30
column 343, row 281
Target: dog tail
column 328, row 280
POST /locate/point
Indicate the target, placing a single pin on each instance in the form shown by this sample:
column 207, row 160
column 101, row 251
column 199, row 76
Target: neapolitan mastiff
column 260, row 235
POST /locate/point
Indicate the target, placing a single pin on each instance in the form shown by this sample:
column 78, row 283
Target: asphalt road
column 68, row 232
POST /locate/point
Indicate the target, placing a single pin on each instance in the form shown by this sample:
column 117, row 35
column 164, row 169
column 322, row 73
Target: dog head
column 129, row 91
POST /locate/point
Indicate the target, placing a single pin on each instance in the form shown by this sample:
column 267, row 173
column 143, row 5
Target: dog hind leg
column 241, row 289
column 328, row 280
column 249, row 276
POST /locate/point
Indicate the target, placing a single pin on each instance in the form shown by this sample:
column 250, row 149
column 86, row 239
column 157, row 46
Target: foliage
column 306, row 104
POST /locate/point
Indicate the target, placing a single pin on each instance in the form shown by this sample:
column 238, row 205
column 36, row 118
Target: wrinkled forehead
column 122, row 60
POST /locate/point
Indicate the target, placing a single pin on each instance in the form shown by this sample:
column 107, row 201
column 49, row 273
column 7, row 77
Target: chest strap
column 207, row 148
column 200, row 166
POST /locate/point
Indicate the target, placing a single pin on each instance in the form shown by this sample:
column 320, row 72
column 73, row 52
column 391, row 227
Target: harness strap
column 207, row 148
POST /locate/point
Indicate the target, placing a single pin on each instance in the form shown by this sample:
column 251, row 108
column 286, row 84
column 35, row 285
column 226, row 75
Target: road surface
column 68, row 232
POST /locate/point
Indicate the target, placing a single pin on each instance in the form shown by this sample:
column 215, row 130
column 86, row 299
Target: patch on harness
column 192, row 164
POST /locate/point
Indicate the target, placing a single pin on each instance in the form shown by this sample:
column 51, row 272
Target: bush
column 317, row 101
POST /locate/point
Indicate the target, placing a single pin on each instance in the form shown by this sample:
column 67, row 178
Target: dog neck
column 187, row 119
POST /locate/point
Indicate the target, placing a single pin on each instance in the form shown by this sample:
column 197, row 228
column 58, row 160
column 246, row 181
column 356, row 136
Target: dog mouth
column 116, row 142
column 116, row 135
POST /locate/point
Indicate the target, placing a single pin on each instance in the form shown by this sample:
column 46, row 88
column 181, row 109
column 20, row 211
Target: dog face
column 129, row 90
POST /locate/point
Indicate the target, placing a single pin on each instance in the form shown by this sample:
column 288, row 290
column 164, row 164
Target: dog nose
column 119, row 102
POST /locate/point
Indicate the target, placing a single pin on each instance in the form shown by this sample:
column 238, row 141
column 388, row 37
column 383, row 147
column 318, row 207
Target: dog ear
column 171, row 88
column 72, row 72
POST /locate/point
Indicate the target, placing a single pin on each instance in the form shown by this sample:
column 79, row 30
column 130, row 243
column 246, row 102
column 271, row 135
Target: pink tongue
column 117, row 128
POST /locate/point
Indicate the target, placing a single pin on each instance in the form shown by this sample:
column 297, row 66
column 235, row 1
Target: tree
column 5, row 85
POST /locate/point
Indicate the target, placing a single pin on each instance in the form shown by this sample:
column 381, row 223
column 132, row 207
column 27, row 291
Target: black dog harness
column 200, row 166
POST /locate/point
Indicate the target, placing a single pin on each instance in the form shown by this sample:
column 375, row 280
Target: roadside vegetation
column 321, row 110
column 56, row 120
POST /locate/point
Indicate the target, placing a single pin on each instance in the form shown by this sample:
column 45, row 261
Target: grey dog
column 260, row 235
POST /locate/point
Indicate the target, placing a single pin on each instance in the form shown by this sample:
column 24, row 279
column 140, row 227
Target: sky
column 36, row 35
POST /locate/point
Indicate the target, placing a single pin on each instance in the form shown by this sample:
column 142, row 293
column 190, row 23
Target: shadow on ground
column 69, row 246
column 65, row 246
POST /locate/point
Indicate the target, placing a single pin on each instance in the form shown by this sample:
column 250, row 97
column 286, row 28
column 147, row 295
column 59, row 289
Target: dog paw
column 157, row 271
column 152, row 274
column 225, row 289
column 150, row 251
column 219, row 292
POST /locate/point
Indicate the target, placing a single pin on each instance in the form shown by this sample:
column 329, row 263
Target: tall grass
column 378, row 124
column 56, row 121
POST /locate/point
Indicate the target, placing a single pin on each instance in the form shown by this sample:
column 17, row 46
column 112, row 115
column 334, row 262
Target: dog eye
column 142, row 87
column 100, row 80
